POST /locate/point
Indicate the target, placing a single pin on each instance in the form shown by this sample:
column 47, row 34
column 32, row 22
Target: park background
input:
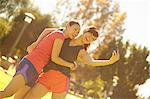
column 122, row 24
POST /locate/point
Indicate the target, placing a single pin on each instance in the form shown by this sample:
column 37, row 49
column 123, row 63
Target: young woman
column 32, row 64
column 56, row 79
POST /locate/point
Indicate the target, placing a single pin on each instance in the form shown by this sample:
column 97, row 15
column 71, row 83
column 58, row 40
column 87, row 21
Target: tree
column 105, row 15
column 4, row 29
column 12, row 7
column 130, row 70
column 30, row 34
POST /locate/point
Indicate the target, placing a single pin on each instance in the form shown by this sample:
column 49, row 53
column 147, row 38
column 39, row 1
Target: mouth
column 73, row 36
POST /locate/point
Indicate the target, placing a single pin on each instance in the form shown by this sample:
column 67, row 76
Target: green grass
column 5, row 79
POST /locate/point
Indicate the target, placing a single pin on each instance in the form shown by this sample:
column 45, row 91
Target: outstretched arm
column 86, row 59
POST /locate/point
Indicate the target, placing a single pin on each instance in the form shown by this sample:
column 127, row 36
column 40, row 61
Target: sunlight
column 133, row 24
column 144, row 90
column 137, row 22
column 45, row 6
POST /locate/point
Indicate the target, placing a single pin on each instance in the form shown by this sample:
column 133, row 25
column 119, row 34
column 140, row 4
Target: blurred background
column 122, row 24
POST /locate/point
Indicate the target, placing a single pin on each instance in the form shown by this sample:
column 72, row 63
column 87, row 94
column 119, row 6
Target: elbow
column 90, row 63
column 93, row 65
column 54, row 59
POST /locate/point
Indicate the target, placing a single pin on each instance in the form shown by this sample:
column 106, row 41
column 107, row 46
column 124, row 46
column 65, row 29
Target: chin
column 85, row 43
column 72, row 37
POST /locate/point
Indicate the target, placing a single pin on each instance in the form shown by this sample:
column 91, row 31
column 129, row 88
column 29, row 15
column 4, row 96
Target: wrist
column 110, row 62
column 71, row 65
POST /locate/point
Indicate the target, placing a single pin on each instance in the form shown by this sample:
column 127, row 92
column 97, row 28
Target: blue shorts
column 28, row 71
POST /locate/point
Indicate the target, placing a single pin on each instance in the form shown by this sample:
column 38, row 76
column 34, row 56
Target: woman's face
column 73, row 30
column 88, row 38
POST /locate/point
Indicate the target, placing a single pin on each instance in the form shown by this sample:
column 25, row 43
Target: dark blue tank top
column 68, row 53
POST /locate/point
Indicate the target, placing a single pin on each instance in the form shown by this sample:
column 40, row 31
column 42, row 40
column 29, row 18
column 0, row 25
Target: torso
column 68, row 53
column 40, row 56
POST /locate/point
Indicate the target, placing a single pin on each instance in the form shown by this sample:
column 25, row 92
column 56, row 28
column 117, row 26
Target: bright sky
column 46, row 6
column 144, row 89
column 137, row 23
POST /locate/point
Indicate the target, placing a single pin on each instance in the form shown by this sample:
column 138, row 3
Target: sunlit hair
column 73, row 22
column 92, row 30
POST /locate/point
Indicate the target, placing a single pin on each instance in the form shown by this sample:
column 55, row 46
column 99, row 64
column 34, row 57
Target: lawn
column 5, row 79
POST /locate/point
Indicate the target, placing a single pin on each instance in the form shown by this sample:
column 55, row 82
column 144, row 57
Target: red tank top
column 40, row 56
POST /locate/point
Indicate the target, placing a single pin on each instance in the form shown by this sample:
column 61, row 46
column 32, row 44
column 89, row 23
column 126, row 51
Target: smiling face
column 90, row 34
column 88, row 38
column 73, row 29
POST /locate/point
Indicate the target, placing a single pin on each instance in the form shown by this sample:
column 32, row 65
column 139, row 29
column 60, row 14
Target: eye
column 75, row 29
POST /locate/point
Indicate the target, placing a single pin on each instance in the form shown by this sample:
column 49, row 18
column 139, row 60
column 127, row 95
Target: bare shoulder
column 82, row 52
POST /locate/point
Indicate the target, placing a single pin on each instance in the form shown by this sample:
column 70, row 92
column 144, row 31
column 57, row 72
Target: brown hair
column 73, row 22
column 92, row 30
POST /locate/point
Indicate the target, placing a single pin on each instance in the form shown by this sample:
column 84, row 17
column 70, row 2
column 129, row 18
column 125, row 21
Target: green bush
column 4, row 27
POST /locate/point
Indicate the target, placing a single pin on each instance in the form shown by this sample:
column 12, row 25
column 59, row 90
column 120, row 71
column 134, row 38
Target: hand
column 73, row 66
column 31, row 47
column 115, row 57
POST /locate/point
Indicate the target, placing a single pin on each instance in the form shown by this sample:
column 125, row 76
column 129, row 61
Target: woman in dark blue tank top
column 56, row 77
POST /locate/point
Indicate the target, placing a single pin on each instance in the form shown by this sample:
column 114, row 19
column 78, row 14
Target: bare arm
column 55, row 54
column 86, row 59
column 42, row 35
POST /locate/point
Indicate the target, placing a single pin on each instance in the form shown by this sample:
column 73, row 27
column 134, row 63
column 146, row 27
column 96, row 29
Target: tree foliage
column 131, row 69
column 4, row 27
column 30, row 34
column 12, row 7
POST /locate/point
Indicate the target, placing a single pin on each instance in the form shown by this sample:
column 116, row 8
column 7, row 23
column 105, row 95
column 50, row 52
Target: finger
column 118, row 50
column 118, row 55
column 113, row 54
column 115, row 51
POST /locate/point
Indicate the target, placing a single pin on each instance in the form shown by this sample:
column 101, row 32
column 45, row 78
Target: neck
column 65, row 33
column 78, row 41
